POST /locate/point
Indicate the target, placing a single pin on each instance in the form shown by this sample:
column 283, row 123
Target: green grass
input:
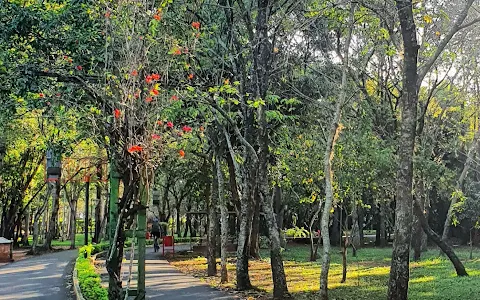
column 79, row 241
column 432, row 278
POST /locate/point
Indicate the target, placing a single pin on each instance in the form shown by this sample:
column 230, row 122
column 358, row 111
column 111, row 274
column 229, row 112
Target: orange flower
column 181, row 153
column 190, row 76
column 134, row 73
column 148, row 99
column 116, row 113
column 155, row 136
column 41, row 95
column 159, row 122
column 135, row 148
column 196, row 25
column 177, row 51
column 157, row 17
column 154, row 92
column 174, row 98
column 155, row 76
column 202, row 128
column 148, row 79
column 227, row 81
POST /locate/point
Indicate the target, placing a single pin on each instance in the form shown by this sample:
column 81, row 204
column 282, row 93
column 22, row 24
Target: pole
column 87, row 200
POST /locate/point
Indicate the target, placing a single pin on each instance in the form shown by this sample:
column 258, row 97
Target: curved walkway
column 39, row 277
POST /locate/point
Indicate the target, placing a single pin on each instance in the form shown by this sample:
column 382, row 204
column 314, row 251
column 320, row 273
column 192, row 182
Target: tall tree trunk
column 242, row 274
column 178, row 221
column 36, row 219
column 255, row 233
column 222, row 201
column 52, row 227
column 355, row 229
column 73, row 222
column 99, row 208
column 212, row 226
column 335, row 129
column 382, row 225
column 399, row 271
column 27, row 227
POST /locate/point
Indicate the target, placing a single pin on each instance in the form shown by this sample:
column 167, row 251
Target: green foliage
column 88, row 278
column 297, row 232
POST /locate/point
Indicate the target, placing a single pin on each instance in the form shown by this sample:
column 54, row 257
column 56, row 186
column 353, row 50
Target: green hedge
column 88, row 279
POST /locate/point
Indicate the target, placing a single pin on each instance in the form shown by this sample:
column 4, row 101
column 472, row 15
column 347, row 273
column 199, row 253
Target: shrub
column 88, row 279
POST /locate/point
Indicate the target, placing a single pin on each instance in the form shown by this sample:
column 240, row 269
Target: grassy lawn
column 79, row 241
column 367, row 277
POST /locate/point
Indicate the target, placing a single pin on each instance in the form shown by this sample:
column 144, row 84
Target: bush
column 88, row 279
column 264, row 242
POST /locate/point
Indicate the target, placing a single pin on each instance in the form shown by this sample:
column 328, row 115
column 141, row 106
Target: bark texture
column 52, row 227
column 212, row 228
column 222, row 201
column 399, row 271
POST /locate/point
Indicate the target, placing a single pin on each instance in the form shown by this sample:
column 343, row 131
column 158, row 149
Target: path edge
column 76, row 285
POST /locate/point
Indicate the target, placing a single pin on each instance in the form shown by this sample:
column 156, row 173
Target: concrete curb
column 76, row 286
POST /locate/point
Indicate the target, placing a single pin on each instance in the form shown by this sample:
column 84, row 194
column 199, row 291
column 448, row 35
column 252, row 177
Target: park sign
column 54, row 165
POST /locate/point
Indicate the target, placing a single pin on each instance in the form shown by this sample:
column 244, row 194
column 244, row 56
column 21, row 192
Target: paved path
column 165, row 282
column 41, row 277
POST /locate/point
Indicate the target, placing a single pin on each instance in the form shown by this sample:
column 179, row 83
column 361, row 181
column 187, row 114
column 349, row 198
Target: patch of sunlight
column 422, row 279
column 427, row 263
column 473, row 272
column 377, row 271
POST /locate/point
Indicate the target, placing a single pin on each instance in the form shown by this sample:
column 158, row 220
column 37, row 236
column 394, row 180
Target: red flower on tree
column 156, row 136
column 148, row 79
column 196, row 25
column 177, row 51
column 190, row 76
column 155, row 76
column 181, row 153
column 174, row 98
column 157, row 17
column 135, row 148
column 154, row 92
column 148, row 99
column 169, row 124
column 41, row 95
column 186, row 128
column 79, row 68
column 116, row 113
column 134, row 73
column 159, row 122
